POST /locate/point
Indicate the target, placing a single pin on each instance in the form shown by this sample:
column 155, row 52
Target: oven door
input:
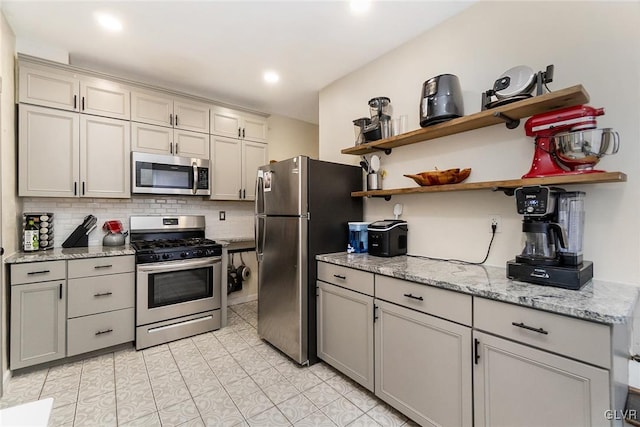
column 159, row 174
column 168, row 290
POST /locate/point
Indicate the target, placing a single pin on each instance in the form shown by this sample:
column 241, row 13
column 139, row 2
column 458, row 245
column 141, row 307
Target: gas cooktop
column 159, row 250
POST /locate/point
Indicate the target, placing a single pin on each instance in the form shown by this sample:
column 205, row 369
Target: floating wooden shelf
column 574, row 95
column 589, row 178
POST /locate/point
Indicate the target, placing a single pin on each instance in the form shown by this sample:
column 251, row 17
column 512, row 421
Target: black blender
column 553, row 228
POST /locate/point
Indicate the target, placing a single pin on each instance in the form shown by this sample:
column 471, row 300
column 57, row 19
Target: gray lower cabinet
column 101, row 303
column 519, row 386
column 423, row 366
column 37, row 329
column 345, row 332
column 64, row 308
column 344, row 306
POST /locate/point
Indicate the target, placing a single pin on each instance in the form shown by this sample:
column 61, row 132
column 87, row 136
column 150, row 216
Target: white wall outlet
column 223, row 216
column 497, row 221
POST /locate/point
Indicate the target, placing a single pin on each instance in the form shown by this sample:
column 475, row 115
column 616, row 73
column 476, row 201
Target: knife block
column 78, row 239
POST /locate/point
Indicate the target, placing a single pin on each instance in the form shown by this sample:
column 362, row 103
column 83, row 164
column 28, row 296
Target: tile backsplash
column 69, row 213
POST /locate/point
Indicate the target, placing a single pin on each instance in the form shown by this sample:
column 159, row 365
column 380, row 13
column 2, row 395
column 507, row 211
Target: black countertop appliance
column 441, row 100
column 388, row 238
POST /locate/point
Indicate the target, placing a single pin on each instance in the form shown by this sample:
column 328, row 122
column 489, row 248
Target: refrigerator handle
column 259, row 195
column 259, row 241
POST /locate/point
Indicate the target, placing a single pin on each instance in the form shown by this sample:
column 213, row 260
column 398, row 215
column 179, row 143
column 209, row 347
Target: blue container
column 357, row 237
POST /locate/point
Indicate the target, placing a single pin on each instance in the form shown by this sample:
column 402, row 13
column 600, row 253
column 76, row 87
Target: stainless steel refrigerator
column 302, row 209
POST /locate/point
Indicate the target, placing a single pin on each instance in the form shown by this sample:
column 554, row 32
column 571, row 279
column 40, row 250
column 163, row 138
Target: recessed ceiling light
column 271, row 77
column 108, row 21
column 360, row 6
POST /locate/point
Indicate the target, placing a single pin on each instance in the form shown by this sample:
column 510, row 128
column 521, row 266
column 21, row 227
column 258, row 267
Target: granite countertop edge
column 61, row 254
column 598, row 301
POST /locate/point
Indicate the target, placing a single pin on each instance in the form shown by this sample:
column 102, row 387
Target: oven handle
column 178, row 265
column 195, row 177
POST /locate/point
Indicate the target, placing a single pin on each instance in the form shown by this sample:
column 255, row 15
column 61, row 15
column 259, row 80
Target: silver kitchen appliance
column 516, row 84
column 440, row 100
column 178, row 278
column 174, row 175
column 303, row 207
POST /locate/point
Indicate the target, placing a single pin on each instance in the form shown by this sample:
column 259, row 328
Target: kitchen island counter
column 57, row 254
column 599, row 301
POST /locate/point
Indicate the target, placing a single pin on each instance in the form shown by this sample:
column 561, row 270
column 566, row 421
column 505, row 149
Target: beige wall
column 478, row 45
column 289, row 138
column 11, row 205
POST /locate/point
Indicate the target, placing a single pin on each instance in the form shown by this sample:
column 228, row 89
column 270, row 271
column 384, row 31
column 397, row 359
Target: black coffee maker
column 553, row 228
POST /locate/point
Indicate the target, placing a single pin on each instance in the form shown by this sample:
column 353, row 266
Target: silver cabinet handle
column 106, row 331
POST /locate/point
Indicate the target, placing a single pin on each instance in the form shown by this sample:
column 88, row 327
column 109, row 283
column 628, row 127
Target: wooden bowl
column 437, row 177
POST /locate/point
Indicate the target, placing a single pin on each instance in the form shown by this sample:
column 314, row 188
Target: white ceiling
column 219, row 49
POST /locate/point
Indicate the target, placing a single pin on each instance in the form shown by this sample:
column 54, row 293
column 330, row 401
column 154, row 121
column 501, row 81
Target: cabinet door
column 254, row 155
column 37, row 323
column 105, row 157
column 345, row 332
column 423, row 366
column 48, row 89
column 226, row 168
column 254, row 128
column 104, row 98
column 151, row 139
column 48, row 151
column 152, row 107
column 189, row 115
column 191, row 144
column 225, row 122
column 516, row 385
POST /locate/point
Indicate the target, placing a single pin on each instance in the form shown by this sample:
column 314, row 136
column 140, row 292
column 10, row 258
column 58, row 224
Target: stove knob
column 155, row 257
column 199, row 252
column 166, row 256
column 183, row 254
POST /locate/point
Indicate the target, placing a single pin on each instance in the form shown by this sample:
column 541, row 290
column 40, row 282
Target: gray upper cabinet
column 53, row 88
column 90, row 155
column 238, row 124
column 162, row 109
column 156, row 139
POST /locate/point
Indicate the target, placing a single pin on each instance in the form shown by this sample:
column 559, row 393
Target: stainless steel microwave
column 160, row 174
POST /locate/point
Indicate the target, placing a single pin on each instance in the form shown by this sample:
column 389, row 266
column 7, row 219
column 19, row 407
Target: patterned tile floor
column 227, row 377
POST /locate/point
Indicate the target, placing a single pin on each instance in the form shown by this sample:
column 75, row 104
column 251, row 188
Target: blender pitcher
column 571, row 219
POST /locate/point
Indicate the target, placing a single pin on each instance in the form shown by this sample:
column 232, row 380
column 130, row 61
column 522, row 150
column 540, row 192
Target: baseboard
column 241, row 300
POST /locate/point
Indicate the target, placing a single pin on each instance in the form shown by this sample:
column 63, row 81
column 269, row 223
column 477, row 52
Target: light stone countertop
column 599, row 301
column 56, row 254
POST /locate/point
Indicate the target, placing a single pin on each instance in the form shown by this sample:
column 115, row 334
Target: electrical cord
column 494, row 227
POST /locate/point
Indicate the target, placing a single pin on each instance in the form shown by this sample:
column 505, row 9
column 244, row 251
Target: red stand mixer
column 567, row 141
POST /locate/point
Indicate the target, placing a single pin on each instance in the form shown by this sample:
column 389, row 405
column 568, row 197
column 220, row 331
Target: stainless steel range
column 178, row 278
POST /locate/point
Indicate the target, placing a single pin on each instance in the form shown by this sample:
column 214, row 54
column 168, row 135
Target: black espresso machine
column 553, row 228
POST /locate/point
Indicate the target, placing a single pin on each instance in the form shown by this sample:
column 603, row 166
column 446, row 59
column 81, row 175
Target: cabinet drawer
column 580, row 339
column 101, row 266
column 90, row 333
column 100, row 294
column 437, row 302
column 356, row 280
column 37, row 272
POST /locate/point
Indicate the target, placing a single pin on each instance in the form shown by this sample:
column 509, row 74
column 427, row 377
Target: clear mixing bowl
column 583, row 149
